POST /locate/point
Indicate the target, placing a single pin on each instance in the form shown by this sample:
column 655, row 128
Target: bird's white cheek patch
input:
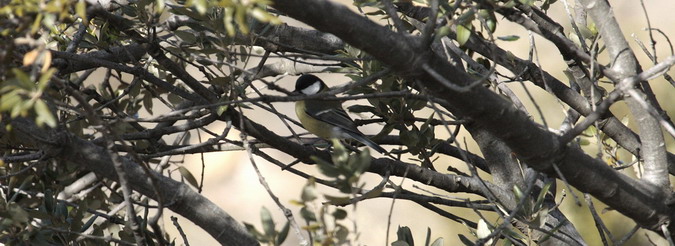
column 312, row 89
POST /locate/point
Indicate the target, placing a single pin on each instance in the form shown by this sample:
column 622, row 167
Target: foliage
column 100, row 106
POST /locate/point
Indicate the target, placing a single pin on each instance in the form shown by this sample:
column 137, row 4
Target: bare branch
column 624, row 65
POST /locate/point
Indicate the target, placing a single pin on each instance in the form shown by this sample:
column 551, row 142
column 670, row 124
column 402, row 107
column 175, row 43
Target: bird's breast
column 311, row 124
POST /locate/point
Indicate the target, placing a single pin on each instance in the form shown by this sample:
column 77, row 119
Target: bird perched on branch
column 324, row 118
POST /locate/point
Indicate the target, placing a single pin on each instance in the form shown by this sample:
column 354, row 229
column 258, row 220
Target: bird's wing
column 331, row 113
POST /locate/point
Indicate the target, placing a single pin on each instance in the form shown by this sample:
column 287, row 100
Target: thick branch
column 610, row 125
column 625, row 65
column 537, row 147
column 177, row 196
column 122, row 54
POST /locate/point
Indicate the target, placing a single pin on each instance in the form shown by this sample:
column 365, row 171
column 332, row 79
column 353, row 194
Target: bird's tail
column 368, row 142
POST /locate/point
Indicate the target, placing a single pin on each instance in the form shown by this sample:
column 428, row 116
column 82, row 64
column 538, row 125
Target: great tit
column 324, row 118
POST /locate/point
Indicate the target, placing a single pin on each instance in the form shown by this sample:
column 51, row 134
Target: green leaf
column 228, row 18
column 547, row 4
column 21, row 108
column 352, row 51
column 340, row 214
column 309, row 191
column 465, row 240
column 188, row 176
column 542, row 195
column 221, row 109
column 438, row 242
column 377, row 12
column 361, row 109
column 466, row 18
column 541, row 217
column 341, row 233
column 490, row 19
column 404, row 234
column 463, row 34
column 591, row 131
column 409, row 138
column 24, row 80
column 200, row 6
column 593, row 29
column 18, row 215
column 518, row 193
column 147, row 102
column 362, row 162
column 175, row 99
column 143, row 3
column 326, row 168
column 399, row 243
column 264, row 16
column 49, row 201
column 44, row 78
column 442, row 31
column 507, row 243
column 586, row 32
column 135, row 89
column 251, row 229
column 221, row 81
column 187, row 37
column 61, row 210
column 307, row 214
column 340, row 153
column 36, row 23
column 9, row 101
column 509, row 38
column 81, row 10
column 527, row 2
column 44, row 115
column 267, row 221
column 159, row 6
column 186, row 138
column 240, row 17
column 374, row 192
column 336, row 200
column 416, row 104
column 283, row 233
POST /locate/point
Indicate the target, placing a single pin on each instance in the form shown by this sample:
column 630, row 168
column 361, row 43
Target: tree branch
column 177, row 196
column 538, row 148
column 625, row 65
column 609, row 124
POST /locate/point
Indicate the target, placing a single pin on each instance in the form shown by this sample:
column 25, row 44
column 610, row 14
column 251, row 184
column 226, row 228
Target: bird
column 326, row 119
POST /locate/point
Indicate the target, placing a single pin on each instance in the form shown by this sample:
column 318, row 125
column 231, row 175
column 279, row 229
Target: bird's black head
column 309, row 84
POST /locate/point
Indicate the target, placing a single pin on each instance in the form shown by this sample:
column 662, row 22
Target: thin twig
column 114, row 157
column 391, row 206
column 287, row 212
column 613, row 96
column 23, row 170
column 628, row 235
column 599, row 225
column 174, row 219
